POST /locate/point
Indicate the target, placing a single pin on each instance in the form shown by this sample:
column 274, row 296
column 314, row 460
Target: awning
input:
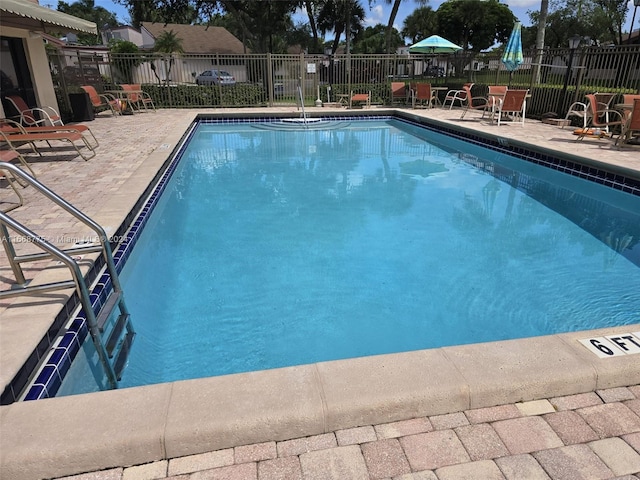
column 31, row 16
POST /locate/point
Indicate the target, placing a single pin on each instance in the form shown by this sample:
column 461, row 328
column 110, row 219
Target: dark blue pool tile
column 61, row 360
column 78, row 329
column 36, row 392
column 50, row 379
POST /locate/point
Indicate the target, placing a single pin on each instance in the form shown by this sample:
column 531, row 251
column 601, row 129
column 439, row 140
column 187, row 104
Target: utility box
column 81, row 107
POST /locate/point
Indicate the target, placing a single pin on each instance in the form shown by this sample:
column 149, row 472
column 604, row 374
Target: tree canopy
column 87, row 10
column 422, row 23
column 475, row 25
column 374, row 40
column 599, row 21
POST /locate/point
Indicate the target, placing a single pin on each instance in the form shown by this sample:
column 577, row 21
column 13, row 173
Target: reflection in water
column 279, row 248
column 616, row 227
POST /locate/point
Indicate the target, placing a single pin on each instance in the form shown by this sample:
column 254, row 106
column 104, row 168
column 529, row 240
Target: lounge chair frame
column 39, row 116
column 456, row 95
column 399, row 93
column 362, row 98
column 474, row 103
column 600, row 111
column 514, row 103
column 421, row 93
column 631, row 125
column 13, row 140
column 79, row 128
column 137, row 98
column 102, row 100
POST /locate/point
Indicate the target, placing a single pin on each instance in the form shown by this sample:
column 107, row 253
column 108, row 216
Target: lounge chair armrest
column 46, row 114
column 608, row 111
column 574, row 105
column 12, row 124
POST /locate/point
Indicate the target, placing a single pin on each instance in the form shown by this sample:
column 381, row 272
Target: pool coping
column 144, row 424
column 197, row 416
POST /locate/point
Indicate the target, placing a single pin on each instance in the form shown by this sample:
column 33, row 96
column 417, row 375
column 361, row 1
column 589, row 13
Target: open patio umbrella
column 512, row 57
column 434, row 44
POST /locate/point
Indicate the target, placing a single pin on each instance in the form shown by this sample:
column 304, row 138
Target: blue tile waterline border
column 64, row 348
column 63, row 352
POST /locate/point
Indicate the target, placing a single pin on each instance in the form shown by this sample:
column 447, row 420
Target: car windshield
column 224, row 74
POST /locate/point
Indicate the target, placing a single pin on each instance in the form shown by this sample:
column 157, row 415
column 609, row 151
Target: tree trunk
column 542, row 25
column 314, row 29
column 392, row 18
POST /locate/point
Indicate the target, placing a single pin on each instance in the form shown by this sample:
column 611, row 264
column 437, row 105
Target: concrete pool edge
column 154, row 402
column 145, row 424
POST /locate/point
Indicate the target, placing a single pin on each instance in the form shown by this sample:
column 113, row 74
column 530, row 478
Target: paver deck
column 524, row 447
column 590, row 435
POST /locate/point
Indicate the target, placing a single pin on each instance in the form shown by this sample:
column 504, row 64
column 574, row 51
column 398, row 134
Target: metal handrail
column 301, row 98
column 51, row 251
column 101, row 234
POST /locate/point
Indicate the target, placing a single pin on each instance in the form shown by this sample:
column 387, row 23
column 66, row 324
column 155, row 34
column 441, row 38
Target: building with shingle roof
column 200, row 44
column 196, row 39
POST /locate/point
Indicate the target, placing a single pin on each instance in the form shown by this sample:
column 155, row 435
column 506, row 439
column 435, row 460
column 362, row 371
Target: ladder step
column 106, row 310
column 116, row 333
column 123, row 354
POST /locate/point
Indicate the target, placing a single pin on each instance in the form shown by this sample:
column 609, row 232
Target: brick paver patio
column 593, row 435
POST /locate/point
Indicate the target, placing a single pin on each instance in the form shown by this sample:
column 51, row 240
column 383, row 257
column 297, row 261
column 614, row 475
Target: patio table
column 123, row 96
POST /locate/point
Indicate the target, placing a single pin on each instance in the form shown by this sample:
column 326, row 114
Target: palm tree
column 169, row 43
column 422, row 23
column 311, row 8
column 341, row 16
column 392, row 18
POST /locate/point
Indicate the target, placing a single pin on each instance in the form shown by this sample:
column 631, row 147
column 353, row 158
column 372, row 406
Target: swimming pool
column 427, row 241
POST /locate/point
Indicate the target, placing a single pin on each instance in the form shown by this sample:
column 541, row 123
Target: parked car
column 81, row 76
column 215, row 77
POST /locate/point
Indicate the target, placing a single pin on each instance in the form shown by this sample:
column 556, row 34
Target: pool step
column 115, row 337
column 116, row 333
column 107, row 308
column 123, row 354
column 114, row 352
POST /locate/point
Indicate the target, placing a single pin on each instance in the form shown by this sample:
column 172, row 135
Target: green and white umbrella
column 434, row 44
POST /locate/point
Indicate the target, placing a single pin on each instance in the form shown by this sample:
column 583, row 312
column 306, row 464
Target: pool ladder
column 112, row 340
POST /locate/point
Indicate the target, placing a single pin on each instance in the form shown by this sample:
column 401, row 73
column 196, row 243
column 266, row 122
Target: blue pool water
column 272, row 248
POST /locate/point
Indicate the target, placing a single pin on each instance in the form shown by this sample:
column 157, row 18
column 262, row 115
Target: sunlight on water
column 274, row 248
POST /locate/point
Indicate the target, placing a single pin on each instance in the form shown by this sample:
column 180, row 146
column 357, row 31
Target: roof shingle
column 199, row 38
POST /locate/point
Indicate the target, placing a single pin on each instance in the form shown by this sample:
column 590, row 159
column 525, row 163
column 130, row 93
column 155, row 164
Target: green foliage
column 189, row 96
column 475, row 24
column 125, row 59
column 163, row 11
column 263, row 27
column 337, row 16
column 373, row 40
column 599, row 20
column 422, row 23
column 87, row 10
column 123, row 46
column 168, row 42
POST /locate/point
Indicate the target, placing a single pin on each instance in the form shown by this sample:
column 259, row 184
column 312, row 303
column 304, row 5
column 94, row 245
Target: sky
column 379, row 12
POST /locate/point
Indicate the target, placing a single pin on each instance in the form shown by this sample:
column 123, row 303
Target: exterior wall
column 38, row 66
column 147, row 39
column 123, row 33
column 133, row 36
